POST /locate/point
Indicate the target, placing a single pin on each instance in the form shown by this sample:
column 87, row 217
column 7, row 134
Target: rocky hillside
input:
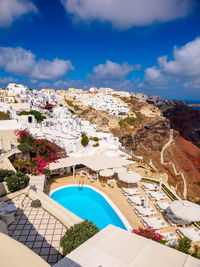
column 152, row 132
column 145, row 130
column 182, row 118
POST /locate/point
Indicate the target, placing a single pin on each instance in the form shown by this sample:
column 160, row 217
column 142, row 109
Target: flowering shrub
column 42, row 153
column 150, row 234
column 49, row 106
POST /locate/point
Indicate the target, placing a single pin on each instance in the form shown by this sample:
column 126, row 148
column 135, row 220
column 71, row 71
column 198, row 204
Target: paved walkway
column 38, row 230
column 171, row 140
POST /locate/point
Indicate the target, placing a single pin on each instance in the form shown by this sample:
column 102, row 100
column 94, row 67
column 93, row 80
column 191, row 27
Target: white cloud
column 110, row 71
column 186, row 61
column 67, row 83
column 22, row 62
column 11, row 10
column 6, row 80
column 124, row 14
column 182, row 70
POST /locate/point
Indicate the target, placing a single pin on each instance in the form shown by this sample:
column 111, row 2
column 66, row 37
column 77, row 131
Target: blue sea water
column 193, row 102
column 88, row 204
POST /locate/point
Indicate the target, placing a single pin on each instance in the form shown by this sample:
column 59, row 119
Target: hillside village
column 59, row 138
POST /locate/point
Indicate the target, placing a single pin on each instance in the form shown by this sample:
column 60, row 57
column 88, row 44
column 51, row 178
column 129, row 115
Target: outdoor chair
column 192, row 233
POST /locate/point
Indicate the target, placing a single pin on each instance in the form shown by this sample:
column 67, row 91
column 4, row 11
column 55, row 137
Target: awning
column 95, row 162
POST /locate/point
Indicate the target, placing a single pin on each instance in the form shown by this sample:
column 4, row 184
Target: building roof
column 95, row 162
column 116, row 247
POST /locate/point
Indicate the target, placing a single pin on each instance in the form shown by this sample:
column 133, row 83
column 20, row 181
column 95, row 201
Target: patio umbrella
column 106, row 172
column 119, row 169
column 185, row 210
column 129, row 177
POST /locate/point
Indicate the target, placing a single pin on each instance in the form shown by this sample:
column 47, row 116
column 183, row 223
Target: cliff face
column 151, row 134
column 182, row 118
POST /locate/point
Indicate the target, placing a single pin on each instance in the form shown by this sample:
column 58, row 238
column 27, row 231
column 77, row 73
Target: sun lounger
column 163, row 206
column 157, row 195
column 150, row 187
column 144, row 211
column 130, row 191
column 154, row 222
column 171, row 238
column 136, row 200
column 174, row 221
column 192, row 233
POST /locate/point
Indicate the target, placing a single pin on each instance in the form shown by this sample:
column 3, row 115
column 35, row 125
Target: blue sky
column 150, row 46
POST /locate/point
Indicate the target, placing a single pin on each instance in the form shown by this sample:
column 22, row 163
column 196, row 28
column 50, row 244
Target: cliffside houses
column 102, row 101
column 61, row 126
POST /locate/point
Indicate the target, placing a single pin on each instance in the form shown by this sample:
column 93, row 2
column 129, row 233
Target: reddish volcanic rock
column 186, row 158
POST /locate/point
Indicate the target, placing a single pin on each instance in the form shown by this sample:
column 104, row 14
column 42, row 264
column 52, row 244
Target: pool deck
column 114, row 194
column 116, row 197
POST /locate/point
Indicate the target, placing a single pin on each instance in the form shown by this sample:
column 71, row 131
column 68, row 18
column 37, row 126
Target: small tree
column 84, row 140
column 4, row 174
column 77, row 235
column 17, row 181
column 184, row 244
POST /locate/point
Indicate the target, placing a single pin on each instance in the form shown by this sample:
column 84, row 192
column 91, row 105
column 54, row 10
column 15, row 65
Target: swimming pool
column 89, row 203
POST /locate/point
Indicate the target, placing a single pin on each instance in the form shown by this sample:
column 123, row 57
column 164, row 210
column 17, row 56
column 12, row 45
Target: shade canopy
column 185, row 210
column 129, row 177
column 120, row 169
column 95, row 162
column 106, row 172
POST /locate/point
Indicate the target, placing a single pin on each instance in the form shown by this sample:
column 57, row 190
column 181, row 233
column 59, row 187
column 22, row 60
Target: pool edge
column 110, row 202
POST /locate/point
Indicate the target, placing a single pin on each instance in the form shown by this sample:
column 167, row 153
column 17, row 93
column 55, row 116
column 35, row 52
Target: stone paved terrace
column 37, row 229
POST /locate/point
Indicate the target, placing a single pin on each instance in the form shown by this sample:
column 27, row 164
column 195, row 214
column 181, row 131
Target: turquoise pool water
column 88, row 204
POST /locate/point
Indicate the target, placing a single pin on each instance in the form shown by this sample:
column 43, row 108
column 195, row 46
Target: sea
column 193, row 102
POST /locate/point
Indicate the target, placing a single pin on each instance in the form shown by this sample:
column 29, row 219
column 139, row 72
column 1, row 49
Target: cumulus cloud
column 11, row 10
column 5, row 80
column 127, row 13
column 22, row 62
column 182, row 70
column 69, row 83
column 186, row 61
column 110, row 71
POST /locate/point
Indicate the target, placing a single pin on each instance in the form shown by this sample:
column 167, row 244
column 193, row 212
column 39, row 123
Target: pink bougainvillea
column 43, row 152
column 150, row 234
column 49, row 106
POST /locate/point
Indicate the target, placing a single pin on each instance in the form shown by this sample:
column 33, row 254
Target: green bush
column 84, row 140
column 122, row 113
column 96, row 139
column 38, row 116
column 17, row 181
column 140, row 116
column 129, row 120
column 122, row 124
column 25, row 148
column 196, row 252
column 77, row 235
column 184, row 245
column 72, row 111
column 4, row 116
column 4, row 174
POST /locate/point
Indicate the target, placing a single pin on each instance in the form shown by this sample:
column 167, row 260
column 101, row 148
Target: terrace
column 118, row 198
